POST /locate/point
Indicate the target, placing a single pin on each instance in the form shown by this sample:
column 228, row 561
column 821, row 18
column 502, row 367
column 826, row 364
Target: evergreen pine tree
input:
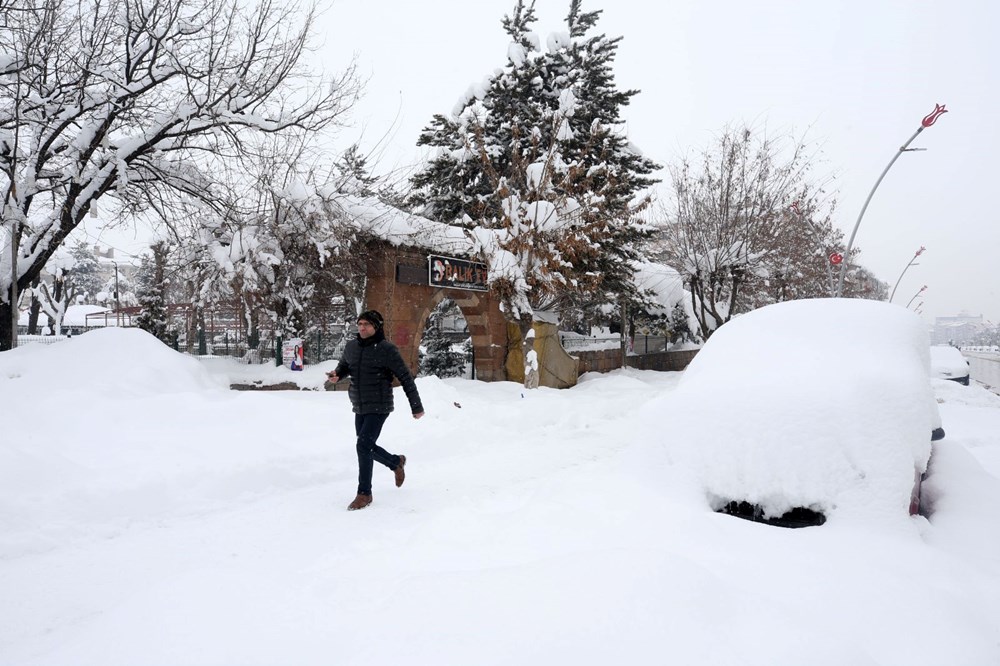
column 537, row 151
column 440, row 358
column 611, row 168
column 353, row 174
column 85, row 277
column 151, row 285
column 153, row 317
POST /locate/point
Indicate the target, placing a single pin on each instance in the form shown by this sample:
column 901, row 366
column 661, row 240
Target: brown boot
column 360, row 502
column 400, row 474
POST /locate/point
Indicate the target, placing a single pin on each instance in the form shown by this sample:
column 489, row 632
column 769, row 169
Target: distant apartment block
column 960, row 329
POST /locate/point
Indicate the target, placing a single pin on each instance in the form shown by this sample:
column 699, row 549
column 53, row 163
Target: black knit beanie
column 373, row 317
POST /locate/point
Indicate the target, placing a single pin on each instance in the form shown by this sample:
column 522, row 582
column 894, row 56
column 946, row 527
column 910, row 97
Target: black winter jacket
column 371, row 365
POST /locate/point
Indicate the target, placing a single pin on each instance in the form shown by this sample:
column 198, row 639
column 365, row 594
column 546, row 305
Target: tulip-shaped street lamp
column 920, row 291
column 912, row 263
column 928, row 120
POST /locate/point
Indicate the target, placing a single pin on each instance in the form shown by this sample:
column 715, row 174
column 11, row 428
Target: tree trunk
column 700, row 309
column 59, row 285
column 6, row 332
column 36, row 307
column 33, row 314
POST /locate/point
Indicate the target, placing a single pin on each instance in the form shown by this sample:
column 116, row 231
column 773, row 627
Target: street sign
column 836, row 258
column 453, row 273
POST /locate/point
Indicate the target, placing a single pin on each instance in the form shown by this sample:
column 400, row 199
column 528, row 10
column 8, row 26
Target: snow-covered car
column 948, row 363
column 805, row 409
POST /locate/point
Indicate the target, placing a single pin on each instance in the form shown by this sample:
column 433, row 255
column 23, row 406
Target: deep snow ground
column 149, row 516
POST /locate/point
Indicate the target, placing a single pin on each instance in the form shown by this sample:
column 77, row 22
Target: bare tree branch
column 126, row 97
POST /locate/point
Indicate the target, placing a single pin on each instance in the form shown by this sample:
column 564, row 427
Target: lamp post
column 14, row 312
column 927, row 121
column 10, row 213
column 118, row 307
column 920, row 291
column 916, row 254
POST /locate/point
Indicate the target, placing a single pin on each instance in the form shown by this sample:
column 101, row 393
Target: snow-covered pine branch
column 536, row 154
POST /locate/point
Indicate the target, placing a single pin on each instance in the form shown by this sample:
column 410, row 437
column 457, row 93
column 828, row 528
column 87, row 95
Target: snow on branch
column 125, row 96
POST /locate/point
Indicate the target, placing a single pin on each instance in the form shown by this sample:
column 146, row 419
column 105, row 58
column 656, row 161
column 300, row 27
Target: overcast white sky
column 858, row 76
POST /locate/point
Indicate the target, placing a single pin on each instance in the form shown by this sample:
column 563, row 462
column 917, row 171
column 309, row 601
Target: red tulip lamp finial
column 931, row 117
column 915, row 296
column 913, row 262
column 928, row 120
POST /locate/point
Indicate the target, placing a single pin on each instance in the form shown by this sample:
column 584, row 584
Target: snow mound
column 824, row 404
column 233, row 371
column 112, row 361
column 949, row 392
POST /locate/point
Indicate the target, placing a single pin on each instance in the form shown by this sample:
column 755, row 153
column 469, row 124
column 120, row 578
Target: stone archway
column 398, row 287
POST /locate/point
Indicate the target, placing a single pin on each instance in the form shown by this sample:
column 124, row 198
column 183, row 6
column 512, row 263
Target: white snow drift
column 149, row 516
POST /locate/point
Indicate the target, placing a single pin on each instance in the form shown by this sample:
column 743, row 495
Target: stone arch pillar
column 397, row 286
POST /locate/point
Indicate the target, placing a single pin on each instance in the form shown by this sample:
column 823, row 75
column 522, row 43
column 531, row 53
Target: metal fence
column 40, row 339
column 224, row 331
column 640, row 344
column 984, row 367
column 317, row 347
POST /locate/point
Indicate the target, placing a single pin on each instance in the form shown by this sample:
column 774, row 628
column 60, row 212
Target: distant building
column 961, row 329
column 105, row 253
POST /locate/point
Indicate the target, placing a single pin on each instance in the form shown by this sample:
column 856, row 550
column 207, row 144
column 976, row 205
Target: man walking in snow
column 371, row 361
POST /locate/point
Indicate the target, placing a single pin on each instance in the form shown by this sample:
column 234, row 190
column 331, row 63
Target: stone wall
column 606, row 360
column 406, row 304
column 674, row 361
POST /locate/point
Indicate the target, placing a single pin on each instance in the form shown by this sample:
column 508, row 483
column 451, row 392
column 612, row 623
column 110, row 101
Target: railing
column 640, row 344
column 984, row 367
column 591, row 342
column 122, row 317
column 318, row 347
column 40, row 339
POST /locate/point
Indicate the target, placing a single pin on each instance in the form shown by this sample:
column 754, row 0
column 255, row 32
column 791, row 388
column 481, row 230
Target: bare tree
column 799, row 266
column 272, row 246
column 140, row 101
column 733, row 226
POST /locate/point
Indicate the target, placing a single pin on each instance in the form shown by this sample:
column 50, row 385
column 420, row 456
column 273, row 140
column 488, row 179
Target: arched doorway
column 398, row 286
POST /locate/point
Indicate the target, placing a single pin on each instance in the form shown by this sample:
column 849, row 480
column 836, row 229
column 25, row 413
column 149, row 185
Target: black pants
column 368, row 427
